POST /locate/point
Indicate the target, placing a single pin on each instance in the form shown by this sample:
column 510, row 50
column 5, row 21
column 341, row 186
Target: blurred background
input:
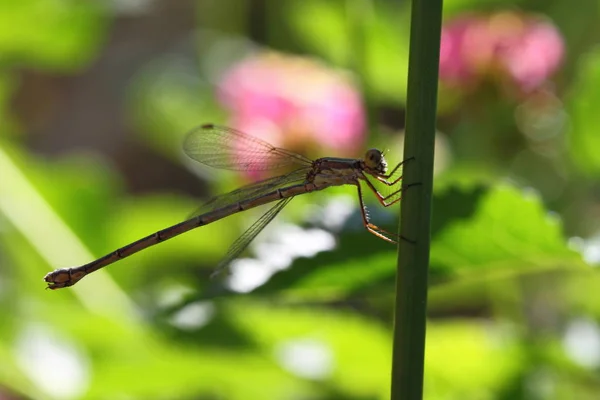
column 95, row 99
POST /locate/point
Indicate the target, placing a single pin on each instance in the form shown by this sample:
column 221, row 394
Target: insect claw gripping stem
column 410, row 185
column 404, row 187
column 408, row 240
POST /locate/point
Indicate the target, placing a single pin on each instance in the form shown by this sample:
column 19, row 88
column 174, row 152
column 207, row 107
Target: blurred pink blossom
column 295, row 103
column 523, row 50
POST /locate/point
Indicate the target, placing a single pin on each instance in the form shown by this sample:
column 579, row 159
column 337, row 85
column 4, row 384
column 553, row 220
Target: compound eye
column 373, row 158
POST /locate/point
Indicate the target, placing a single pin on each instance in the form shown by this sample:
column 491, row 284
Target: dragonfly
column 227, row 148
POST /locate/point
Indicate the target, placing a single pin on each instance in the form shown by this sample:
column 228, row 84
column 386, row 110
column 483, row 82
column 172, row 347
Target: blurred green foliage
column 61, row 35
column 513, row 306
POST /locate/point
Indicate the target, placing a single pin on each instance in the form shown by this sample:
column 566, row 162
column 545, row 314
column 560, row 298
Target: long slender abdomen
column 66, row 277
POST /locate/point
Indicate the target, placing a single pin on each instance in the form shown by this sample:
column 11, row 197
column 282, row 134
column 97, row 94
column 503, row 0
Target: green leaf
column 81, row 190
column 359, row 261
column 25, row 205
column 56, row 34
column 455, row 354
column 510, row 229
column 129, row 359
column 501, row 230
column 359, row 348
column 582, row 105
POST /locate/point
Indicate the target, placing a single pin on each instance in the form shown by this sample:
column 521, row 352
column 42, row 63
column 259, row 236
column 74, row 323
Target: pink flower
column 295, row 103
column 534, row 56
column 523, row 50
column 454, row 65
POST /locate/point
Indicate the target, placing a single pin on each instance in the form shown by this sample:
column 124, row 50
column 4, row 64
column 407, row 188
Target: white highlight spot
column 288, row 243
column 193, row 316
column 334, row 214
column 173, row 295
column 582, row 343
column 53, row 364
column 247, row 274
column 307, row 358
column 589, row 248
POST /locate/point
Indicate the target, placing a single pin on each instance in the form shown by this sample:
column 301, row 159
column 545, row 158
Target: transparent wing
column 253, row 190
column 227, row 148
column 243, row 241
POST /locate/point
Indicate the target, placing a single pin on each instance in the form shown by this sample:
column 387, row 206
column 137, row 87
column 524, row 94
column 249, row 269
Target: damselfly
column 227, row 148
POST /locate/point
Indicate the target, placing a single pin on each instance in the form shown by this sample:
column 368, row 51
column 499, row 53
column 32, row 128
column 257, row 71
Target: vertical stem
column 413, row 257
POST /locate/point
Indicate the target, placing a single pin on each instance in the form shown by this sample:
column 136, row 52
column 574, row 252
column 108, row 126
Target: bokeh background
column 95, row 98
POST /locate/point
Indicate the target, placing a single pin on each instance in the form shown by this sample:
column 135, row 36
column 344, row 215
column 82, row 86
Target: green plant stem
column 413, row 257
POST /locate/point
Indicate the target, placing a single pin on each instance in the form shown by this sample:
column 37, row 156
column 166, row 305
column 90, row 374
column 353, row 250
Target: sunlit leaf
column 500, row 230
column 353, row 342
column 508, row 229
column 56, row 34
column 359, row 261
column 346, row 342
column 27, row 209
column 128, row 359
column 582, row 103
column 455, row 356
column 82, row 190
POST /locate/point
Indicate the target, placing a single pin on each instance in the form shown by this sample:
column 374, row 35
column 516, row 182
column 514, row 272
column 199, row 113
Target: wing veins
column 248, row 236
column 226, row 148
